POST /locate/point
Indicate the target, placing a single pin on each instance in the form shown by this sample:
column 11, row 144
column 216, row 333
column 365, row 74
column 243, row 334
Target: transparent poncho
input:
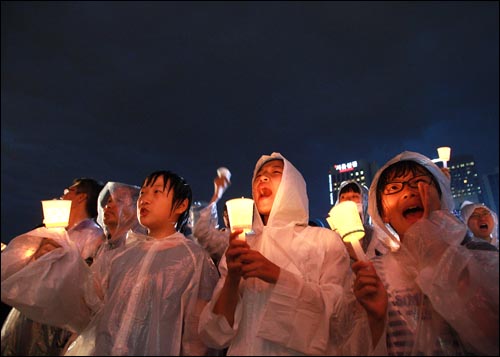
column 443, row 297
column 311, row 299
column 141, row 298
column 21, row 335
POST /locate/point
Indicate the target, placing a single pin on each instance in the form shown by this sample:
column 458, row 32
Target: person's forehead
column 158, row 181
column 272, row 164
column 121, row 191
column 407, row 174
column 481, row 210
column 352, row 193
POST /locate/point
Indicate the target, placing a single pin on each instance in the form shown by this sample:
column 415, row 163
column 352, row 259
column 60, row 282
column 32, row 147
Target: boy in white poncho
column 282, row 289
column 145, row 298
column 443, row 297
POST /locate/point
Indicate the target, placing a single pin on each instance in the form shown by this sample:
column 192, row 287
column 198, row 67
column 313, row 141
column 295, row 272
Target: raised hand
column 369, row 290
column 372, row 295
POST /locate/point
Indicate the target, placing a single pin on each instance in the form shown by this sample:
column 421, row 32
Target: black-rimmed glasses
column 395, row 187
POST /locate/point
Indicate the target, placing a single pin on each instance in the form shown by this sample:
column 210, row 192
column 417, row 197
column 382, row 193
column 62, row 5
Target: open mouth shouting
column 413, row 213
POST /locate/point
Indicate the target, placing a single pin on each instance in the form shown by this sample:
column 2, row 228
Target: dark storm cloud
column 116, row 90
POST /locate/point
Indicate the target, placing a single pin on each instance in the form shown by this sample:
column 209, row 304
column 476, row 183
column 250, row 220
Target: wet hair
column 399, row 169
column 91, row 188
column 180, row 189
column 350, row 187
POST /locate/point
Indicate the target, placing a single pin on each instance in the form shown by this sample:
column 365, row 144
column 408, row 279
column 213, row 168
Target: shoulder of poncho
column 320, row 235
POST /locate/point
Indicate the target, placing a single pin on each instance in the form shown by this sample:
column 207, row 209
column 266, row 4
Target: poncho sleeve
column 461, row 284
column 50, row 289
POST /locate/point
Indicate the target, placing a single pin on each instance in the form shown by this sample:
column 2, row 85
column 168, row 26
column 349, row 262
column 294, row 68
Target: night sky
column 116, row 90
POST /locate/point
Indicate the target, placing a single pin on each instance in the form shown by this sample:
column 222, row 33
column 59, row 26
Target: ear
column 82, row 197
column 181, row 207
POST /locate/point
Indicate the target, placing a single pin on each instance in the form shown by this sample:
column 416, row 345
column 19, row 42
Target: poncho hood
column 290, row 205
column 391, row 241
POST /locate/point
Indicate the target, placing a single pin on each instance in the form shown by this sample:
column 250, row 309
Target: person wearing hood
column 143, row 298
column 351, row 190
column 443, row 297
column 117, row 214
column 283, row 288
column 482, row 224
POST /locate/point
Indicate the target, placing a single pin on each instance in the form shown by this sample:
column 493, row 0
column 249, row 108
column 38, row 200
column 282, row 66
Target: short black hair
column 350, row 187
column 180, row 189
column 91, row 188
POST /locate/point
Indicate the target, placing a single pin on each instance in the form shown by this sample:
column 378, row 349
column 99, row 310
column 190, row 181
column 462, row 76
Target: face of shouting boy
column 265, row 186
column 407, row 198
column 481, row 223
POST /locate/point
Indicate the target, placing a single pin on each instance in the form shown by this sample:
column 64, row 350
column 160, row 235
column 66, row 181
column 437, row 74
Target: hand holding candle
column 240, row 213
column 345, row 220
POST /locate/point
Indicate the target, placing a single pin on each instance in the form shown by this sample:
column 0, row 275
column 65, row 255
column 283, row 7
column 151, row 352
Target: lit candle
column 56, row 213
column 444, row 154
column 344, row 218
column 240, row 213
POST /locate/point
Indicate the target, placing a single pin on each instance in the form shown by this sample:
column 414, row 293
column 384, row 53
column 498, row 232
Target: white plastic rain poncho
column 207, row 233
column 22, row 336
column 124, row 197
column 443, row 297
column 88, row 237
column 143, row 298
column 467, row 210
column 293, row 316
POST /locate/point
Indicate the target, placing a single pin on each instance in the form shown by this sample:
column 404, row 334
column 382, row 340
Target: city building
column 465, row 181
column 490, row 192
column 359, row 170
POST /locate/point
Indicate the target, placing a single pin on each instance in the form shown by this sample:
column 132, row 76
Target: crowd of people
column 136, row 272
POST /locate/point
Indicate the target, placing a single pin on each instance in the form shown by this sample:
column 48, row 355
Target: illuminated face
column 154, row 209
column 71, row 193
column 481, row 223
column 350, row 196
column 401, row 200
column 118, row 208
column 265, row 186
column 110, row 217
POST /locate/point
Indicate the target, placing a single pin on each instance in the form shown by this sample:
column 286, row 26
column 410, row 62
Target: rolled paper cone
column 344, row 218
column 358, row 250
column 56, row 213
column 240, row 214
column 444, row 154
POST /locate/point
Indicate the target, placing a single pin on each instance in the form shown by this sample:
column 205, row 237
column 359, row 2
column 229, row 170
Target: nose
column 263, row 178
column 142, row 201
column 409, row 191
